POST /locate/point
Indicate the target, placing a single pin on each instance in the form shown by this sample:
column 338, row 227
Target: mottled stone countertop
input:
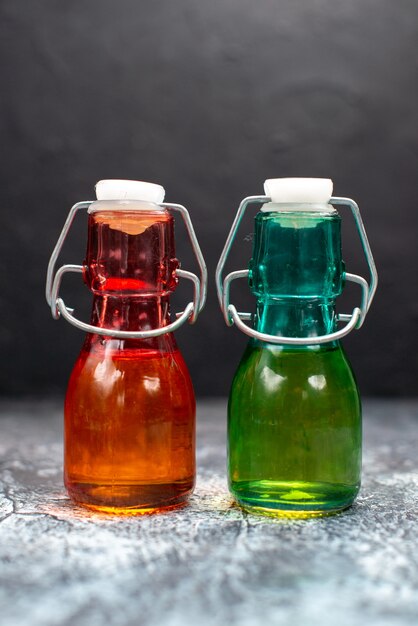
column 210, row 563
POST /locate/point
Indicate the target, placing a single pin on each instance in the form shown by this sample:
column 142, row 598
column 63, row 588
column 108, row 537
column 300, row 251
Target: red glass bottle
column 130, row 406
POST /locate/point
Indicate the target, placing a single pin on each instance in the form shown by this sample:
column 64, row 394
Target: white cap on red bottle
column 298, row 191
column 129, row 190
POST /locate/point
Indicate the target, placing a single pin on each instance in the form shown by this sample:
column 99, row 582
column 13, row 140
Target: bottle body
column 294, row 416
column 130, row 405
column 294, row 430
column 129, row 427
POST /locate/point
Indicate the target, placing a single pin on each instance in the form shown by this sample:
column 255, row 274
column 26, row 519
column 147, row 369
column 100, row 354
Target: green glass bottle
column 294, row 415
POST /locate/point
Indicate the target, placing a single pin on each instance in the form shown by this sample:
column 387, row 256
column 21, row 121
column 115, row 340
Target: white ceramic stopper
column 299, row 190
column 129, row 190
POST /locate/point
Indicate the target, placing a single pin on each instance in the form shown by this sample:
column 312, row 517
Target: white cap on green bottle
column 298, row 192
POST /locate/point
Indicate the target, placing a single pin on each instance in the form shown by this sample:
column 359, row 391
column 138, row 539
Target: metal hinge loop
column 355, row 319
column 190, row 313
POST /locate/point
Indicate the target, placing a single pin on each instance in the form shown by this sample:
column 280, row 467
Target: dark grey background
column 209, row 99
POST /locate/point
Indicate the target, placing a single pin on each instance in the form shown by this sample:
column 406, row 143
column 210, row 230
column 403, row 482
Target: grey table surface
column 209, row 563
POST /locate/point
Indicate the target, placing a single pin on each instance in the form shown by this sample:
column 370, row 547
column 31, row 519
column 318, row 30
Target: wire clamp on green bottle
column 354, row 320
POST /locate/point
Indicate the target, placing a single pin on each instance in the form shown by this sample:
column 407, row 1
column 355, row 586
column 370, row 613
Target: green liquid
column 294, row 435
column 294, row 431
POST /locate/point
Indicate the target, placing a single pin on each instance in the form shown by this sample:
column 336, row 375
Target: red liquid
column 129, row 429
column 130, row 406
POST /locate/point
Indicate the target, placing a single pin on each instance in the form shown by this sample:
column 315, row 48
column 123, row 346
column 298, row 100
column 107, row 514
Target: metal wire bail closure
column 354, row 320
column 59, row 308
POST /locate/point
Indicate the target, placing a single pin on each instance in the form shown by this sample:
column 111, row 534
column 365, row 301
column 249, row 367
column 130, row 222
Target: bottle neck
column 131, row 253
column 296, row 272
column 130, row 268
column 297, row 255
column 295, row 317
column 131, row 313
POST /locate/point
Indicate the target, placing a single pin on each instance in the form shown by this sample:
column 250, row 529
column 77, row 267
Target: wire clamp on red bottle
column 110, row 190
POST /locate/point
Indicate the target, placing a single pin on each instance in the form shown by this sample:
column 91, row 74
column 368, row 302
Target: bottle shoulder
column 100, row 359
column 307, row 369
column 124, row 378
